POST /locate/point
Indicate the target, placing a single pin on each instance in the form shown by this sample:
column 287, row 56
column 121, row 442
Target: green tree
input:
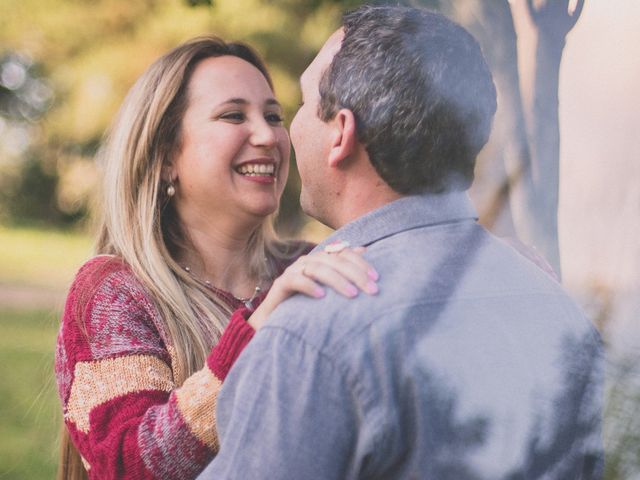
column 92, row 52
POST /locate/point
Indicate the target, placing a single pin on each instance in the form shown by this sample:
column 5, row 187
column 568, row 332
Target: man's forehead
column 333, row 43
column 324, row 58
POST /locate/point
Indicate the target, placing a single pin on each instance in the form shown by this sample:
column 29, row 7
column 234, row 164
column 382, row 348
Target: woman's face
column 234, row 157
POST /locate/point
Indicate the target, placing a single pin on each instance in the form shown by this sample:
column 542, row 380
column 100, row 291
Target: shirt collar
column 406, row 213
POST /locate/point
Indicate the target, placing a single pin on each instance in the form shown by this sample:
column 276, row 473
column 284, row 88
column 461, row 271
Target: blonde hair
column 139, row 224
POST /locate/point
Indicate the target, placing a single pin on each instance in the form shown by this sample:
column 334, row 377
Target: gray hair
column 421, row 92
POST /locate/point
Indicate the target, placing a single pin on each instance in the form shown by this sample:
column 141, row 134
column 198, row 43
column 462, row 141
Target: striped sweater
column 115, row 370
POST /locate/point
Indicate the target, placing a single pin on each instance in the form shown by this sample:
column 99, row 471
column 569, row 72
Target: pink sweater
column 116, row 370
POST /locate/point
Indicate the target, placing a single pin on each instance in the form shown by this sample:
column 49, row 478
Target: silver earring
column 171, row 189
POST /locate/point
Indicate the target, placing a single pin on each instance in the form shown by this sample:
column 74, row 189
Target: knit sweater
column 116, row 371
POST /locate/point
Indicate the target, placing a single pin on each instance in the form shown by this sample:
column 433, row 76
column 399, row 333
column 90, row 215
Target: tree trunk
column 531, row 162
column 491, row 23
column 553, row 21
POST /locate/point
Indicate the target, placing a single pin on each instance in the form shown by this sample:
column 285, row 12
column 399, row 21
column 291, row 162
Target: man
column 471, row 362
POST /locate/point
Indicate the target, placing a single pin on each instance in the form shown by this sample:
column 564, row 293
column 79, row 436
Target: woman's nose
column 263, row 134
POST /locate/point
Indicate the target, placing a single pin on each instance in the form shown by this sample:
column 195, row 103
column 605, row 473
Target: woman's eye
column 274, row 118
column 235, row 117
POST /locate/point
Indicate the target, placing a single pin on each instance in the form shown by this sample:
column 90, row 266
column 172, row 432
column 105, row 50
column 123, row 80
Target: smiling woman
column 187, row 267
column 232, row 135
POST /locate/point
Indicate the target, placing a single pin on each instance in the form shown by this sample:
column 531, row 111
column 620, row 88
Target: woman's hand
column 343, row 270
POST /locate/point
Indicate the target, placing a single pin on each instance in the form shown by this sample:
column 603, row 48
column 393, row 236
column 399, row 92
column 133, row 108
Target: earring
column 171, row 189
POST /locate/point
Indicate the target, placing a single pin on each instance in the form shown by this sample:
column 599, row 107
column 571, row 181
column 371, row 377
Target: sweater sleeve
column 232, row 342
column 122, row 407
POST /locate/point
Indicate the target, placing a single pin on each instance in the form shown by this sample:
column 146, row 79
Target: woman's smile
column 260, row 170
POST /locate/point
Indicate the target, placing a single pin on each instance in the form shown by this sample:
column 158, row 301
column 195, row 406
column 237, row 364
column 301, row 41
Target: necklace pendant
column 248, row 302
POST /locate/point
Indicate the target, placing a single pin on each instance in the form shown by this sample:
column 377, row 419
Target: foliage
column 24, row 96
column 30, row 193
column 86, row 51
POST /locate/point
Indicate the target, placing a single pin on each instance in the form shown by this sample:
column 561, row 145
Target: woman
column 195, row 165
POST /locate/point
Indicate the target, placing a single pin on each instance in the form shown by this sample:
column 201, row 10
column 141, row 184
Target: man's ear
column 345, row 140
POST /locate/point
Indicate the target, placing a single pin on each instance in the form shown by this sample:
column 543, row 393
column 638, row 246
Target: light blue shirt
column 470, row 363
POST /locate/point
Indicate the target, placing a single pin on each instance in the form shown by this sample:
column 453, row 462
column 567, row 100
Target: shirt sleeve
column 287, row 411
column 115, row 375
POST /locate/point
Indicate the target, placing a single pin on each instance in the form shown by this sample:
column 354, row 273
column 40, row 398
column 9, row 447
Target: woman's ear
column 168, row 173
column 345, row 140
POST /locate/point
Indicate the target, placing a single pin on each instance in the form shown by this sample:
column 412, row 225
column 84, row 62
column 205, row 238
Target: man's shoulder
column 446, row 272
column 322, row 323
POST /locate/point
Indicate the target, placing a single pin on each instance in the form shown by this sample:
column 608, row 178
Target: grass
column 29, row 408
column 30, row 417
column 39, row 258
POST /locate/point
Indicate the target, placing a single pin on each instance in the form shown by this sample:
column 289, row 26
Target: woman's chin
column 261, row 212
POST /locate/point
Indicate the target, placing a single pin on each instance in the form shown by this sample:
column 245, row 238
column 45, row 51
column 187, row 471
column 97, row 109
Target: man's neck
column 361, row 201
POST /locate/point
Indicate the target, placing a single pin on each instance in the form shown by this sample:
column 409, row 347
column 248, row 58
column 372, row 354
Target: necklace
column 247, row 301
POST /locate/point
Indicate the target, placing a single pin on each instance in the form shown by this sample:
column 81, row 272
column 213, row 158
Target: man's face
column 311, row 137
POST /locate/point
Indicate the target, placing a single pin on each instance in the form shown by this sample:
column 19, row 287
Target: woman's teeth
column 257, row 169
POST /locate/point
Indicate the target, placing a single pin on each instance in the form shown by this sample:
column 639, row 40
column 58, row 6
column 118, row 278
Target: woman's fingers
column 303, row 282
column 354, row 255
column 346, row 271
column 293, row 280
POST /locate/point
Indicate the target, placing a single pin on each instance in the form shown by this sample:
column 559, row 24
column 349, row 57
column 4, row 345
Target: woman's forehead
column 229, row 77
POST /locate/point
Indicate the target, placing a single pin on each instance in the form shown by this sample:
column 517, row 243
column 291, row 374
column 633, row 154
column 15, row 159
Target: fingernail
column 352, row 291
column 372, row 274
column 371, row 288
column 318, row 292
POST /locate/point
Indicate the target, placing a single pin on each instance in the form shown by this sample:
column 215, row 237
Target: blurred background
column 561, row 171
